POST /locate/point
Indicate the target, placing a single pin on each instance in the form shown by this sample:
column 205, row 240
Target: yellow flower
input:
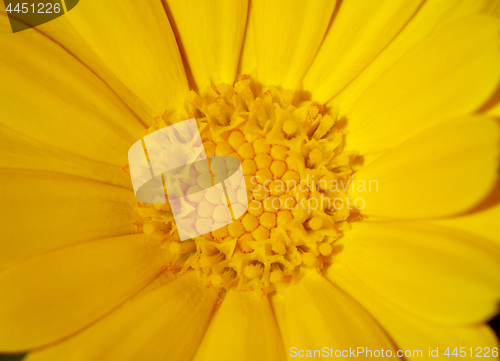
column 402, row 94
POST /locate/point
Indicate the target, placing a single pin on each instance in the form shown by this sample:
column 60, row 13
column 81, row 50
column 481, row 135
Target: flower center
column 296, row 176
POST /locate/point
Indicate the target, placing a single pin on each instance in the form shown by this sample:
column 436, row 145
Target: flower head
column 369, row 144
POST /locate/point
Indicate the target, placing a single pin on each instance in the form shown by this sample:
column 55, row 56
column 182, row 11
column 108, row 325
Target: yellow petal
column 166, row 323
column 437, row 273
column 443, row 171
column 482, row 220
column 496, row 9
column 415, row 335
column 450, row 74
column 244, row 328
column 432, row 15
column 19, row 151
column 211, row 35
column 315, row 313
column 59, row 101
column 174, row 330
column 55, row 294
column 287, row 37
column 43, row 211
column 248, row 62
column 359, row 32
column 495, row 110
column 131, row 47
